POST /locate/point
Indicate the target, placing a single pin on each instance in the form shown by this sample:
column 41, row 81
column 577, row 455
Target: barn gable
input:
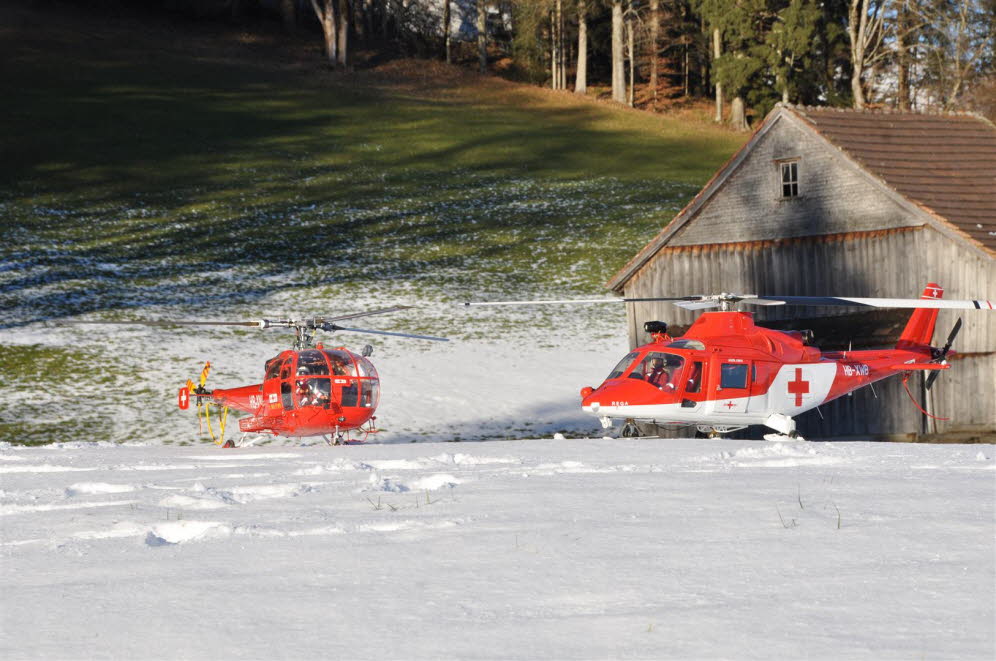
column 848, row 179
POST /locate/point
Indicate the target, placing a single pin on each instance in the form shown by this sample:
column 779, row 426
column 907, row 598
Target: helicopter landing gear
column 338, row 438
column 241, row 443
column 630, row 430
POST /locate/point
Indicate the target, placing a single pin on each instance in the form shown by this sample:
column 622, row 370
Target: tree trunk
column 903, row 57
column 655, row 28
column 288, row 11
column 562, row 43
column 555, row 47
column 482, row 36
column 716, row 52
column 326, row 17
column 630, row 49
column 738, row 119
column 618, row 71
column 344, row 23
column 447, row 31
column 581, row 78
column 858, row 35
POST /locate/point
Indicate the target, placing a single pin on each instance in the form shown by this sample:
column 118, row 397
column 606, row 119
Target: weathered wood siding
column 842, row 237
column 835, row 196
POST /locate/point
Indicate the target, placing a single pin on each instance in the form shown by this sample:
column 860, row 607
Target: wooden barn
column 823, row 201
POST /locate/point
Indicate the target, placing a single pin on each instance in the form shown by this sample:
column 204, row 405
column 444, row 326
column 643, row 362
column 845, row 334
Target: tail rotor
column 941, row 354
column 203, row 400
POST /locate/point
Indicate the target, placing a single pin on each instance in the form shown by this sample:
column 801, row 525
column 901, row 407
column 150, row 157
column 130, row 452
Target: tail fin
column 919, row 329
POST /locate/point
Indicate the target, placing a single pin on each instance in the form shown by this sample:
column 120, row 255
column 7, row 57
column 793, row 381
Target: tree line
column 746, row 55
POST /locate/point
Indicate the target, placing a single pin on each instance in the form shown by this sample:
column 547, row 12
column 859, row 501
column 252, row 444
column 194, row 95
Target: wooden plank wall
column 886, row 263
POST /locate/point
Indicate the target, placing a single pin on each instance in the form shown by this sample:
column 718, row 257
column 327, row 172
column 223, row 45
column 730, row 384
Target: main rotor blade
column 163, row 322
column 843, row 301
column 335, row 327
column 365, row 314
column 699, row 302
column 587, row 301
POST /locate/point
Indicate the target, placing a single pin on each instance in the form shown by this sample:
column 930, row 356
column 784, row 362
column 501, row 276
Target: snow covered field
column 531, row 549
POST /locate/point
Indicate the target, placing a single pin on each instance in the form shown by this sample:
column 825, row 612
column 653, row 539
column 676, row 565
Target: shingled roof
column 944, row 162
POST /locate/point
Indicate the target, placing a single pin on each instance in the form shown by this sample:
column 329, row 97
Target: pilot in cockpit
column 657, row 374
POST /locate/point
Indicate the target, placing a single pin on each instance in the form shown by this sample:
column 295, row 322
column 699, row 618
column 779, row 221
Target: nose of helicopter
column 620, row 392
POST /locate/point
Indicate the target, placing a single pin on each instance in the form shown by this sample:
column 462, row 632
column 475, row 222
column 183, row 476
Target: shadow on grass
column 144, row 171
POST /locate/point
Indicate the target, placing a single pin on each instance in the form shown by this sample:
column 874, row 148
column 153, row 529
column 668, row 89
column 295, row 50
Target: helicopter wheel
column 630, row 430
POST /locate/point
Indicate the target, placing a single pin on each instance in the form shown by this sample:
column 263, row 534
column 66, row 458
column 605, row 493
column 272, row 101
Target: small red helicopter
column 310, row 390
column 726, row 373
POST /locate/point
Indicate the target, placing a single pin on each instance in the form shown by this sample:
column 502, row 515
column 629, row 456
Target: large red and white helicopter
column 726, row 373
column 310, row 390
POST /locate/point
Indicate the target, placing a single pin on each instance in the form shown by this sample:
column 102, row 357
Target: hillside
column 155, row 169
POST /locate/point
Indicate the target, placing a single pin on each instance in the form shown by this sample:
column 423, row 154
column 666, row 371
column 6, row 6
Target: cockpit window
column 273, row 367
column 661, row 370
column 366, row 368
column 623, row 366
column 341, row 362
column 311, row 363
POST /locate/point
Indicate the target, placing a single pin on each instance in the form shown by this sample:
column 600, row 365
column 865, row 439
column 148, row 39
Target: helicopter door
column 732, row 387
column 287, row 385
column 694, row 392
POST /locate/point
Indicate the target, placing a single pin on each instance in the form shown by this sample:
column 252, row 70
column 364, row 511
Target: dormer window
column 790, row 178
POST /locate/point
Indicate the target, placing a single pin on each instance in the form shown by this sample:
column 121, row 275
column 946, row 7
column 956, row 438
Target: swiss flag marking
column 183, row 398
column 798, row 387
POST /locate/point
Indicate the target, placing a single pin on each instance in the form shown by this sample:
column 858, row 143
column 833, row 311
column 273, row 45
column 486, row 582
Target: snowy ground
column 535, row 549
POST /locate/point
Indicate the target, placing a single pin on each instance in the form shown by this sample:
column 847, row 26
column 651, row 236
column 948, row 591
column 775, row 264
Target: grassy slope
column 152, row 165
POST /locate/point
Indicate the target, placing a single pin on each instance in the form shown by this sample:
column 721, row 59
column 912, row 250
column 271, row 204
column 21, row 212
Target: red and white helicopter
column 310, row 390
column 726, row 373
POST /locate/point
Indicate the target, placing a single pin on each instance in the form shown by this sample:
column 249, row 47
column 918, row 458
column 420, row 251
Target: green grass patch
column 148, row 167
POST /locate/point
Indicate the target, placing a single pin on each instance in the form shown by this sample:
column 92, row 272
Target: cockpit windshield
column 341, row 363
column 311, row 363
column 623, row 366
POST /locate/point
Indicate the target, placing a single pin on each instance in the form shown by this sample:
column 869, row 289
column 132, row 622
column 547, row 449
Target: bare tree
column 618, row 68
column 557, row 61
column 447, row 32
column 630, row 18
column 326, row 13
column 964, row 36
column 344, row 23
column 865, row 31
column 655, row 28
column 717, row 52
column 581, row 78
column 482, row 35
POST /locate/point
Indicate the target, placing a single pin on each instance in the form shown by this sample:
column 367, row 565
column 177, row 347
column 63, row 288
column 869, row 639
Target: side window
column 273, row 368
column 350, row 395
column 285, row 369
column 694, row 378
column 287, row 394
column 790, row 179
column 733, row 376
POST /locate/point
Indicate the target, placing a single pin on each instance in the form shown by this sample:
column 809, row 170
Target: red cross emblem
column 183, row 398
column 729, row 405
column 798, row 387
